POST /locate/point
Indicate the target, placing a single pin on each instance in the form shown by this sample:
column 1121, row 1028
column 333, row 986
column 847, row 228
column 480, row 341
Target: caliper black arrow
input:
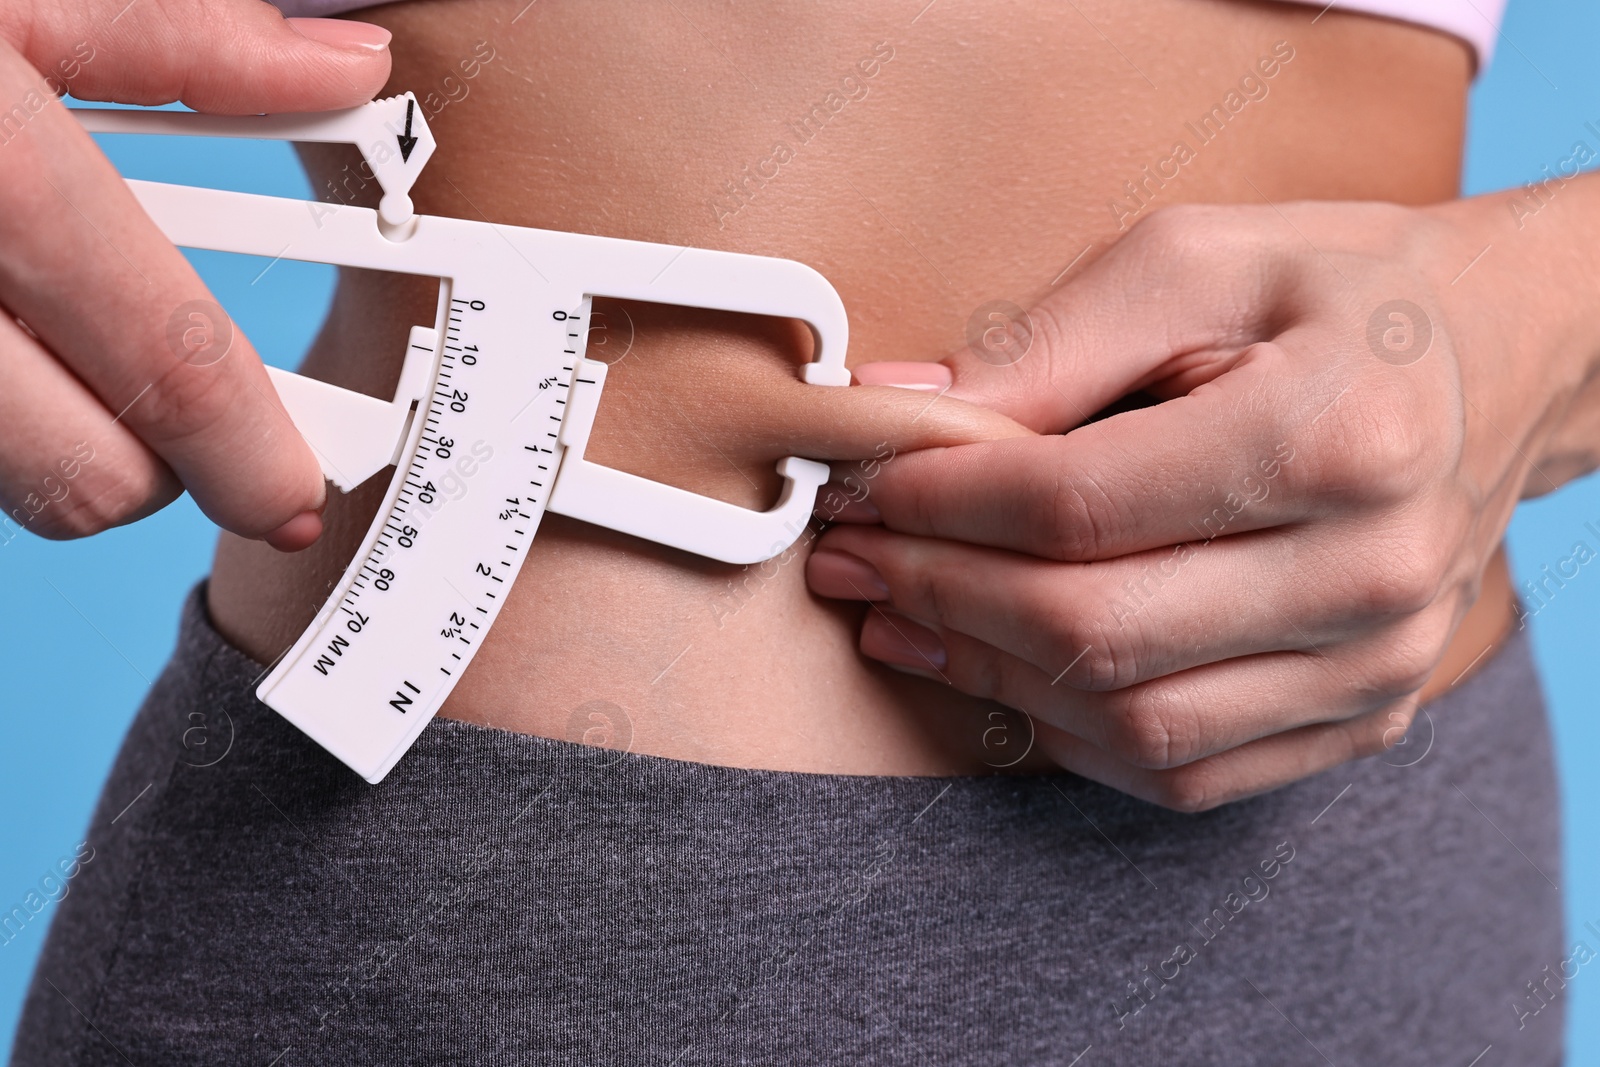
column 407, row 142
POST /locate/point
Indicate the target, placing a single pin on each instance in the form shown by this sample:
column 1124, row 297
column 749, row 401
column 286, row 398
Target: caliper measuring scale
column 498, row 393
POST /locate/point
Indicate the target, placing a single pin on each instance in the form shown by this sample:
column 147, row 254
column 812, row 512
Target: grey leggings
column 502, row 898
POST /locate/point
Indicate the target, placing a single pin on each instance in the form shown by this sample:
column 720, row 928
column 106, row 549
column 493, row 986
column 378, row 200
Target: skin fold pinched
column 1319, row 592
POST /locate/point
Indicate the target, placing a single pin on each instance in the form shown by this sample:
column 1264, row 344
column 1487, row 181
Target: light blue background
column 89, row 625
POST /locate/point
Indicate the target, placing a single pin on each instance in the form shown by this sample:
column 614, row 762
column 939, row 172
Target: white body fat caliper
column 502, row 366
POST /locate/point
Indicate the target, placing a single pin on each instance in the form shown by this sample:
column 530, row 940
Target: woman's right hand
column 117, row 396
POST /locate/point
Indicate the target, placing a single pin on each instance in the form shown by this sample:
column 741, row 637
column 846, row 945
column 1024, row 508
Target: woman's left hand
column 1253, row 579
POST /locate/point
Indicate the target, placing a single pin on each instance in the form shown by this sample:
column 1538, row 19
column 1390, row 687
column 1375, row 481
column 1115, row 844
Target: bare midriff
column 926, row 162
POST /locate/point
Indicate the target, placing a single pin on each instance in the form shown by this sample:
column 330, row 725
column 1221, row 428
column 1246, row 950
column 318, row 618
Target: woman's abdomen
column 929, row 161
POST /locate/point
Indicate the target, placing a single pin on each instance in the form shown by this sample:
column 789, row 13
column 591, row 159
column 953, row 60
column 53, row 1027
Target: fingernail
column 343, row 33
column 835, row 505
column 923, row 377
column 845, row 577
column 298, row 533
column 895, row 639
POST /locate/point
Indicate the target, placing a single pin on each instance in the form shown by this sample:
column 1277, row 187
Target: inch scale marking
column 489, row 421
column 446, row 548
column 385, row 561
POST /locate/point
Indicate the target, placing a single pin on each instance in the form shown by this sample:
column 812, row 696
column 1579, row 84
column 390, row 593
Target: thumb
column 1175, row 302
column 229, row 57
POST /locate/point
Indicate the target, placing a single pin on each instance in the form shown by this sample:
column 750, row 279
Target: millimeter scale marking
column 489, row 422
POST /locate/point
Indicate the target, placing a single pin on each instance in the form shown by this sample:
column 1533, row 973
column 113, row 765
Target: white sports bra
column 1475, row 21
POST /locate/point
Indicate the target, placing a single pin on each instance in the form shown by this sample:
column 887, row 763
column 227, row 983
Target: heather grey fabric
column 506, row 899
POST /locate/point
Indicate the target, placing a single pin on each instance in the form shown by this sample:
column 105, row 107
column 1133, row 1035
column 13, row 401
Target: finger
column 1110, row 625
column 100, row 286
column 1162, row 723
column 1218, row 461
column 847, row 497
column 1257, row 767
column 844, row 424
column 68, row 469
column 1268, row 443
column 1177, row 299
column 885, row 426
column 233, row 57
